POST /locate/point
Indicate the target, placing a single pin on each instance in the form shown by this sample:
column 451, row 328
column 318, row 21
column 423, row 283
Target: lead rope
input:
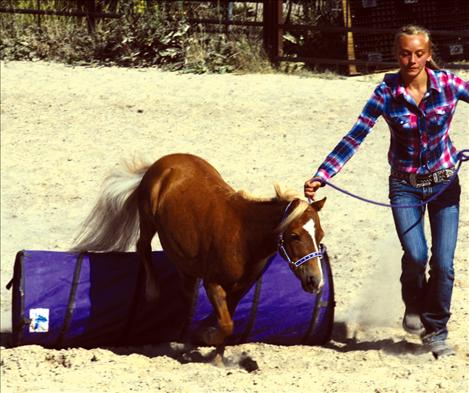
column 463, row 155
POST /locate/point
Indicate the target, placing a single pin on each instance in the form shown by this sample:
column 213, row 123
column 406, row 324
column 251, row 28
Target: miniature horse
column 206, row 229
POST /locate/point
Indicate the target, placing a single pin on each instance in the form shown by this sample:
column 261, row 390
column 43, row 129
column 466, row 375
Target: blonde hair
column 414, row 30
column 293, row 215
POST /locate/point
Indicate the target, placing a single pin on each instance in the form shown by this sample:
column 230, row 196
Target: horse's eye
column 293, row 236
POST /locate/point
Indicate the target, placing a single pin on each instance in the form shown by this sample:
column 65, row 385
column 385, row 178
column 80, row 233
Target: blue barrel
column 62, row 300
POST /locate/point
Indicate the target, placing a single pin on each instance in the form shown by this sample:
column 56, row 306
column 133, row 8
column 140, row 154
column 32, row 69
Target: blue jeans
column 431, row 298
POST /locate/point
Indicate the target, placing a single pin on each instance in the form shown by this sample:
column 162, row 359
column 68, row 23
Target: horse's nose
column 314, row 284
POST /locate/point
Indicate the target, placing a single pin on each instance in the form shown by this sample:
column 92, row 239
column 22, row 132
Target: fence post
column 352, row 68
column 272, row 29
column 38, row 19
column 91, row 18
column 228, row 14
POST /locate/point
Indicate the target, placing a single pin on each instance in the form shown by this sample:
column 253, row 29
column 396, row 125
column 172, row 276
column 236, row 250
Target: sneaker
column 412, row 323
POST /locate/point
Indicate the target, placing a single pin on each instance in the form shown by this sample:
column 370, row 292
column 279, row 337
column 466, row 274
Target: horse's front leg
column 217, row 296
column 216, row 335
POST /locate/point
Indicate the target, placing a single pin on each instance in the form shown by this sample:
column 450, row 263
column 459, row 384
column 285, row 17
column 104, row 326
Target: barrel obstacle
column 62, row 299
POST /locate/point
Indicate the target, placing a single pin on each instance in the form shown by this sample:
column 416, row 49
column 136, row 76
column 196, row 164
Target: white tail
column 113, row 224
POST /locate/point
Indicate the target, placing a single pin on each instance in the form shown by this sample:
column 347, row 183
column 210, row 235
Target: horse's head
column 299, row 240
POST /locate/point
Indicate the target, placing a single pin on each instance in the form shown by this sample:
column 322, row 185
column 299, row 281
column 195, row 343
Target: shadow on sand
column 181, row 352
column 188, row 353
column 340, row 342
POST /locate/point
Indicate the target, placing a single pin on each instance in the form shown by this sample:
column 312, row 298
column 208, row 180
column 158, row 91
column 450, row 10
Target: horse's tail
column 113, row 224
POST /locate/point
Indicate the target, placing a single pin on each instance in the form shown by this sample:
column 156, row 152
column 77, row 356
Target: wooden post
column 228, row 14
column 351, row 68
column 38, row 18
column 91, row 18
column 272, row 31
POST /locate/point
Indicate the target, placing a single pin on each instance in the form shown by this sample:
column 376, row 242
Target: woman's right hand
column 311, row 186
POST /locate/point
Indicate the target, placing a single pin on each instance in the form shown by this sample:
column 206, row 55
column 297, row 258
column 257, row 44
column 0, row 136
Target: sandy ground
column 64, row 128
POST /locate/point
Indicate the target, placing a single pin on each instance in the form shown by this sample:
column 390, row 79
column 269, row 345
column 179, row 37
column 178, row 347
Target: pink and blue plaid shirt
column 420, row 141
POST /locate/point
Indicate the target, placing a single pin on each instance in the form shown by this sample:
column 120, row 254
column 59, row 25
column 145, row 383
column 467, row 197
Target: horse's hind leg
column 147, row 231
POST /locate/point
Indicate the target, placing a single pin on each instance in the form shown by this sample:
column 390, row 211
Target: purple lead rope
column 463, row 155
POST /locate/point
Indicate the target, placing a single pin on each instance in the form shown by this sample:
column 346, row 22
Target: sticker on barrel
column 39, row 318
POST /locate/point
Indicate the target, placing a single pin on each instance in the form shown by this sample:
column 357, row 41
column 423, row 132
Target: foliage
column 148, row 34
column 158, row 33
column 224, row 53
column 142, row 39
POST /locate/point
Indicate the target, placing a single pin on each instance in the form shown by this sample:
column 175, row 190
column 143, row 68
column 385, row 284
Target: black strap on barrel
column 71, row 301
column 253, row 313
column 319, row 303
column 18, row 269
column 18, row 317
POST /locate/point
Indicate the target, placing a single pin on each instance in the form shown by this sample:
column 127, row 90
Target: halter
column 284, row 253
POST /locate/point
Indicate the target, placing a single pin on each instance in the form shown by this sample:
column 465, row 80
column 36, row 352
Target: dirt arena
column 62, row 130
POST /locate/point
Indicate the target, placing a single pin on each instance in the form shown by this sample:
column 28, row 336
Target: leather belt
column 424, row 180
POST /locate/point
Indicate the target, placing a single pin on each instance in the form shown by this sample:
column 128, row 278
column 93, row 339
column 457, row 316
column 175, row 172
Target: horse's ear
column 319, row 204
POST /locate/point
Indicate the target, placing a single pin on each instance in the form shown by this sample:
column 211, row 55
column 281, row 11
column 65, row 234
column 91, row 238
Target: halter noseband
column 302, row 260
column 284, row 253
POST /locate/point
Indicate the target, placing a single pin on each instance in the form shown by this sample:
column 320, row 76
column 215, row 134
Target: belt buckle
column 442, row 175
column 449, row 173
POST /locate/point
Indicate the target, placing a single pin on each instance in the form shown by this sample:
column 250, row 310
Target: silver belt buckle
column 444, row 174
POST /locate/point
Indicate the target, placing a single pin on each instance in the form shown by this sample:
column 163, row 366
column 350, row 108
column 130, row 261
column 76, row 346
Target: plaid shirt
column 420, row 140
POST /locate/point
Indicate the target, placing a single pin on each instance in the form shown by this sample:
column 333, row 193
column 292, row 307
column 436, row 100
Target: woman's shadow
column 342, row 342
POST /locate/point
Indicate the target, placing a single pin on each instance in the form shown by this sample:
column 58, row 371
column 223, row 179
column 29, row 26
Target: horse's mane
column 280, row 195
column 297, row 212
column 286, row 195
column 289, row 195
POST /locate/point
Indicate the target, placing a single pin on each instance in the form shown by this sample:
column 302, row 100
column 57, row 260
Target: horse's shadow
column 181, row 352
column 190, row 353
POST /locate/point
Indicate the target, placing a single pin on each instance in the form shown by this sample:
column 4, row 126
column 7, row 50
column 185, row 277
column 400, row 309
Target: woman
column 418, row 104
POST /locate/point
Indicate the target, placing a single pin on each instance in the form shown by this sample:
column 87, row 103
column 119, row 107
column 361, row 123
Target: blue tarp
column 65, row 299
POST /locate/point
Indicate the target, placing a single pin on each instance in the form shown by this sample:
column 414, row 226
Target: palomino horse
column 206, row 229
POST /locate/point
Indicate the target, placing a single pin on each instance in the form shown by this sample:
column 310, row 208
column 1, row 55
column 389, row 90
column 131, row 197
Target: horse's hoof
column 218, row 360
column 212, row 336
